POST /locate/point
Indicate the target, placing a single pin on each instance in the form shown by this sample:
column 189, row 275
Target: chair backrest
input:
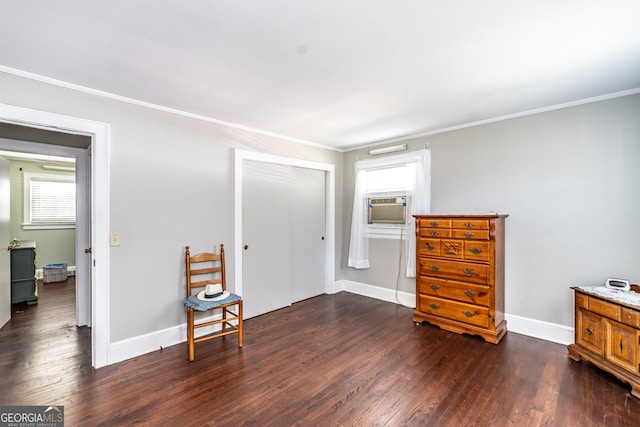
column 204, row 269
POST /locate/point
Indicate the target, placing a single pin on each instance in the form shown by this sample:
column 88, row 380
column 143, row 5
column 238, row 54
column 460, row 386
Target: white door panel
column 308, row 243
column 5, row 269
column 267, row 235
column 83, row 239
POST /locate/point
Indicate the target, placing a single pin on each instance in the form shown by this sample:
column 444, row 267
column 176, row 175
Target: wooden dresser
column 460, row 273
column 607, row 333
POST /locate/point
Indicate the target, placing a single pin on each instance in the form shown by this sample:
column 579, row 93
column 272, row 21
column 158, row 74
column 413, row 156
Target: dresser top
column 629, row 298
column 25, row 244
column 439, row 215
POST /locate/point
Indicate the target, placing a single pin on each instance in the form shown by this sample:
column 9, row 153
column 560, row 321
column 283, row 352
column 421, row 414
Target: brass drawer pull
column 434, row 286
column 589, row 330
column 429, row 247
column 469, row 272
column 434, row 306
column 469, row 293
column 434, row 267
column 468, row 235
column 468, row 313
column 468, row 224
column 434, row 223
column 475, row 251
column 435, row 233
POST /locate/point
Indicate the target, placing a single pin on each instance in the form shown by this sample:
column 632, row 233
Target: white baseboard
column 147, row 343
column 521, row 325
column 384, row 294
column 157, row 340
column 553, row 332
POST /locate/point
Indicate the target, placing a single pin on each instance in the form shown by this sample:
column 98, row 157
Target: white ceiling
column 340, row 73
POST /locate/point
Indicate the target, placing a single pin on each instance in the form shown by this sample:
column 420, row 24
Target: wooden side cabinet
column 607, row 332
column 460, row 273
column 23, row 273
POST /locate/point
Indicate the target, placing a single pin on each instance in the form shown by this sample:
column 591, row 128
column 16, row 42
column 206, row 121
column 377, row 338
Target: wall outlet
column 114, row 238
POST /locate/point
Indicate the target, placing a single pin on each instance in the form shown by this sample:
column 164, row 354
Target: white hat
column 213, row 293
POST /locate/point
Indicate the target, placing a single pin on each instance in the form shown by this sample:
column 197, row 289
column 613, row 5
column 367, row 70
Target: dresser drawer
column 622, row 346
column 582, row 300
column 452, row 248
column 435, row 232
column 480, row 251
column 463, row 292
column 455, row 270
column 435, row 223
column 605, row 308
column 590, row 331
column 470, row 224
column 476, row 250
column 470, row 234
column 466, row 313
column 630, row 317
column 428, row 247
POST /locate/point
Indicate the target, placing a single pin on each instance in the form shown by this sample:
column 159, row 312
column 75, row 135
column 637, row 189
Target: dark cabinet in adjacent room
column 23, row 273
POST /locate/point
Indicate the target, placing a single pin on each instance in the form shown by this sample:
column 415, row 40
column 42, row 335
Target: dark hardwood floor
column 333, row 360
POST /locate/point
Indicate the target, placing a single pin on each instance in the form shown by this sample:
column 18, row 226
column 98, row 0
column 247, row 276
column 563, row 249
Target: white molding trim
column 583, row 101
column 97, row 298
column 403, row 298
column 157, row 107
column 521, row 325
column 540, row 329
column 330, row 208
column 157, row 340
column 84, row 89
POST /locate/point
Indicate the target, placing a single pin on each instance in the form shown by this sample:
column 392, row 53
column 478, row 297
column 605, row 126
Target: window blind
column 52, row 201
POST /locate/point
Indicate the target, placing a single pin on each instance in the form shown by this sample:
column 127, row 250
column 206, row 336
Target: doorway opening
column 42, row 210
column 17, row 129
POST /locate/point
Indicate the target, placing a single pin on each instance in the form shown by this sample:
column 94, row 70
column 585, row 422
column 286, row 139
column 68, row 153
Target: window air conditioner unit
column 388, row 210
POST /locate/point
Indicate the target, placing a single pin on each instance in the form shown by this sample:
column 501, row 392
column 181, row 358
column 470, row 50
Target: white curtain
column 421, row 200
column 359, row 243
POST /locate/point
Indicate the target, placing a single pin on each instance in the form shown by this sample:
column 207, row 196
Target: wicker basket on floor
column 54, row 273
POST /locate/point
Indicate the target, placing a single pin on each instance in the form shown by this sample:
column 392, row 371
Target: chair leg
column 190, row 333
column 224, row 320
column 240, row 324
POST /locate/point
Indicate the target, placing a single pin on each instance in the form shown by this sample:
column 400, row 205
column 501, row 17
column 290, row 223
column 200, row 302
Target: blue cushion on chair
column 196, row 304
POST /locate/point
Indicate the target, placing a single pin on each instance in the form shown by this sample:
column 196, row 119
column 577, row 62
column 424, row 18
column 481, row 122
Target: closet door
column 308, row 242
column 283, row 228
column 266, row 261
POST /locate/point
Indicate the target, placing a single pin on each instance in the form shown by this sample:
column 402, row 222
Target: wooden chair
column 209, row 269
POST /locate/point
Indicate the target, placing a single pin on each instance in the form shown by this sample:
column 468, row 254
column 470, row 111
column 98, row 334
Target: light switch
column 114, row 238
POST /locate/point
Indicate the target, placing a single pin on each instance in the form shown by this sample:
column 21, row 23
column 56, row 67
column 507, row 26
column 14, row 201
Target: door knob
column 87, row 251
column 246, row 247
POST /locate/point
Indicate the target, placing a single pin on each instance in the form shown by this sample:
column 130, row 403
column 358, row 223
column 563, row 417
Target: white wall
column 171, row 184
column 568, row 178
column 570, row 181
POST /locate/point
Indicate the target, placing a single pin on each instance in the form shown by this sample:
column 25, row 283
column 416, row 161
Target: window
column 408, row 175
column 393, row 179
column 49, row 201
column 397, row 181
